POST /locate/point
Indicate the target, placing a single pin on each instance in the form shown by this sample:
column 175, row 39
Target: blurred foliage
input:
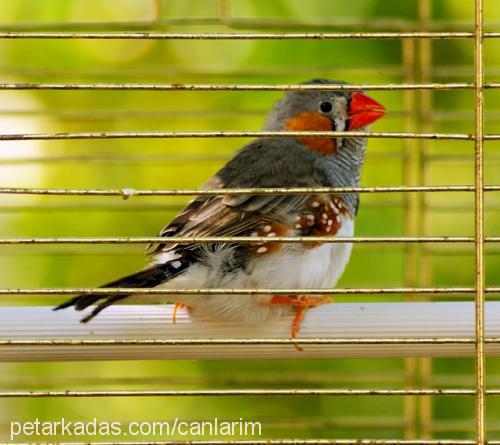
column 186, row 163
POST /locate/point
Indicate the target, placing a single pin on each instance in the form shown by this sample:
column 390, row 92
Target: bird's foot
column 178, row 305
column 301, row 303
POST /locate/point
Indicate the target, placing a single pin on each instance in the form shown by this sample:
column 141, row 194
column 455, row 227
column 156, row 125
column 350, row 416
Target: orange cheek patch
column 313, row 122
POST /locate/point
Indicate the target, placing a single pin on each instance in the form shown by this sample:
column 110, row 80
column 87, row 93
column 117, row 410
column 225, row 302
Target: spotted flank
column 321, row 216
column 268, row 230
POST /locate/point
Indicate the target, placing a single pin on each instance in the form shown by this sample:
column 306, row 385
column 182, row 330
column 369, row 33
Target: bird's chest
column 302, row 266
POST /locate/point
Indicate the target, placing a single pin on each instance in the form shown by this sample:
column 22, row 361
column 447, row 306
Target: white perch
column 450, row 320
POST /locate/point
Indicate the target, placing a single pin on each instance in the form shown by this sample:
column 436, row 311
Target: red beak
column 363, row 110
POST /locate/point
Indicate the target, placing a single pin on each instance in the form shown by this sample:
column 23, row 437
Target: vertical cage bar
column 424, row 260
column 479, row 218
column 224, row 11
column 157, row 10
column 409, row 215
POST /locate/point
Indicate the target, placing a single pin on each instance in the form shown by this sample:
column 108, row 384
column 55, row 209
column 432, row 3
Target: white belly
column 292, row 267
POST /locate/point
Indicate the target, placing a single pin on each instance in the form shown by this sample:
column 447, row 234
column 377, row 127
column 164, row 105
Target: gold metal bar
column 479, row 221
column 426, row 405
column 409, row 222
column 245, row 392
column 243, row 87
column 234, row 134
column 127, row 193
column 409, row 97
column 200, row 291
column 224, row 11
column 287, row 442
column 157, row 11
column 247, row 239
column 251, row 341
column 424, row 265
column 243, row 35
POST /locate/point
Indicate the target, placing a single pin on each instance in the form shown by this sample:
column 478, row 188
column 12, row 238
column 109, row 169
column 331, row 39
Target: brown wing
column 304, row 215
column 226, row 215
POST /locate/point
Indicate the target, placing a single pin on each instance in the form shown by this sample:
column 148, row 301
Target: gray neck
column 344, row 169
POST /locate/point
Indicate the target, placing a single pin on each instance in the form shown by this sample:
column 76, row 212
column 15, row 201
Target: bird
column 266, row 162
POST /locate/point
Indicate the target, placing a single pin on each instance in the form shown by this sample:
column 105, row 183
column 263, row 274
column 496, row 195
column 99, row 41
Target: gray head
column 340, row 158
column 324, row 111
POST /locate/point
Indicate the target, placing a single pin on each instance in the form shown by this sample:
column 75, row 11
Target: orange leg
column 178, row 305
column 301, row 303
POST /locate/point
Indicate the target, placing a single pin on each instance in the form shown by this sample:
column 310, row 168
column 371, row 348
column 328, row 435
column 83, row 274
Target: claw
column 301, row 303
column 178, row 306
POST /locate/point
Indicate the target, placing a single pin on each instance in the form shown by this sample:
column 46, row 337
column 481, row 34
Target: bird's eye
column 325, row 107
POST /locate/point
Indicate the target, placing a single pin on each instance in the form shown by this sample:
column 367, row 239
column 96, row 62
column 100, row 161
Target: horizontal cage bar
column 237, row 134
column 244, row 36
column 247, row 239
column 251, row 341
column 154, row 291
column 242, row 87
column 249, row 392
column 294, row 442
column 129, row 192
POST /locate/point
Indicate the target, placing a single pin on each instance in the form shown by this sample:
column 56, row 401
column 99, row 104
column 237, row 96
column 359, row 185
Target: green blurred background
column 186, row 163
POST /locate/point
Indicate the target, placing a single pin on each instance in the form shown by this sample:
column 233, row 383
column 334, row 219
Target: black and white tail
column 150, row 277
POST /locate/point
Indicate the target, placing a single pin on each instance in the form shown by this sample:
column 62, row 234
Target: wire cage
column 145, row 105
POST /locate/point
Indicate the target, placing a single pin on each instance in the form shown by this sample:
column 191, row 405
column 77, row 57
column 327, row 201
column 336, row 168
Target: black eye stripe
column 325, row 107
